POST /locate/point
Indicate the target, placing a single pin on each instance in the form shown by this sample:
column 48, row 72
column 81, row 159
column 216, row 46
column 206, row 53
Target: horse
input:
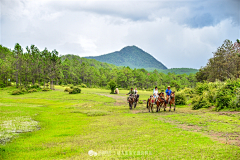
column 150, row 103
column 172, row 101
column 161, row 101
column 131, row 100
column 135, row 100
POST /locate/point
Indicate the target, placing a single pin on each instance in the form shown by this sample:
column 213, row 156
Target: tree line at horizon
column 35, row 66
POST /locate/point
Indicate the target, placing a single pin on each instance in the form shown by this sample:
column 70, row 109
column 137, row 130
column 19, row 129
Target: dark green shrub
column 112, row 85
column 9, row 84
column 180, row 98
column 75, row 90
column 2, row 84
column 36, row 86
column 17, row 92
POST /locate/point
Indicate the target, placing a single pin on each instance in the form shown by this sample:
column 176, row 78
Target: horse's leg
column 152, row 107
column 147, row 102
column 149, row 107
column 157, row 108
column 174, row 106
column 170, row 107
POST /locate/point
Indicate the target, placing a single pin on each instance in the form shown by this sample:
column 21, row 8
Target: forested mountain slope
column 131, row 56
column 90, row 62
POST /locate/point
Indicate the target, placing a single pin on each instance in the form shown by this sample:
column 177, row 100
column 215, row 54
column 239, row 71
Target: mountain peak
column 130, row 48
column 131, row 56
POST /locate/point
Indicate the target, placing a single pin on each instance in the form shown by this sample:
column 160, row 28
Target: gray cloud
column 178, row 33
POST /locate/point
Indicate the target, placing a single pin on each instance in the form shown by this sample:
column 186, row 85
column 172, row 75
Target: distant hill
column 131, row 56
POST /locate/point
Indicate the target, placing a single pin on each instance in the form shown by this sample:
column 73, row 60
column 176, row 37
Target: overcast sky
column 177, row 33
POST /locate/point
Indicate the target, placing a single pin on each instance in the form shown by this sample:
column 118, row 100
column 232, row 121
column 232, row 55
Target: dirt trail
column 120, row 100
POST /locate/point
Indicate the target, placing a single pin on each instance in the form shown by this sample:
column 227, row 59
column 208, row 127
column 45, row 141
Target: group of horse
column 161, row 102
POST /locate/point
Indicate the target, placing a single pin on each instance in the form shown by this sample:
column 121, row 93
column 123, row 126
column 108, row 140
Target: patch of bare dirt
column 228, row 113
column 120, row 100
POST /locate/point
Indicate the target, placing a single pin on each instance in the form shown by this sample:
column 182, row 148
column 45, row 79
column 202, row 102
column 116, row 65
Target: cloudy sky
column 178, row 33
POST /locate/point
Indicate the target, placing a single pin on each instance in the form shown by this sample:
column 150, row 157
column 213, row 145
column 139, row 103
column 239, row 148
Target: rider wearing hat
column 168, row 93
column 130, row 92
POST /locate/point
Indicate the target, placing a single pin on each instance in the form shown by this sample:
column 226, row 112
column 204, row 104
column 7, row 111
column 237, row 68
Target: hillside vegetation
column 42, row 67
column 220, row 87
column 90, row 62
column 176, row 70
column 131, row 56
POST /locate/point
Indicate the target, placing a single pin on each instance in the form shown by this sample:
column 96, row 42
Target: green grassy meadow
column 58, row 125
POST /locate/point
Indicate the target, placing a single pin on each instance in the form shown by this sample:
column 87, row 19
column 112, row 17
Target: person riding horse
column 130, row 93
column 155, row 94
column 136, row 93
column 168, row 93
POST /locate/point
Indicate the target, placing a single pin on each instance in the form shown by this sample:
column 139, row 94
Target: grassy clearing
column 71, row 125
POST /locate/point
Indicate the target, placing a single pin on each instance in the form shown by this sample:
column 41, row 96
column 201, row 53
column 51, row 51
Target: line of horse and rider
column 156, row 98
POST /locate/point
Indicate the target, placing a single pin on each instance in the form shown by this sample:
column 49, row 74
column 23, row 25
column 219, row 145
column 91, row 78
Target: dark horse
column 161, row 101
column 171, row 101
column 131, row 100
column 135, row 100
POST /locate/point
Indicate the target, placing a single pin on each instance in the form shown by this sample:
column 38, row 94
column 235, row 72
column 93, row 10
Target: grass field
column 58, row 125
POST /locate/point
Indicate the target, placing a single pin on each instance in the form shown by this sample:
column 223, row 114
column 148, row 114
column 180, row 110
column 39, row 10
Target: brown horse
column 161, row 101
column 172, row 101
column 150, row 103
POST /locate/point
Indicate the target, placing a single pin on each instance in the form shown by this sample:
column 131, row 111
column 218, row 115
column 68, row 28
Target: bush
column 83, row 85
column 200, row 102
column 32, row 90
column 75, row 90
column 2, row 84
column 46, row 89
column 180, row 98
column 23, row 90
column 112, row 85
column 67, row 89
column 16, row 92
column 189, row 92
column 200, row 87
column 36, row 86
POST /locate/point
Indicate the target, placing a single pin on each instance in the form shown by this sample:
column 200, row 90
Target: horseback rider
column 130, row 93
column 168, row 93
column 135, row 92
column 155, row 93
